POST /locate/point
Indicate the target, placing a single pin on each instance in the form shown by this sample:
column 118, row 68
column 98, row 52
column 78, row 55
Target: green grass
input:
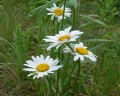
column 21, row 37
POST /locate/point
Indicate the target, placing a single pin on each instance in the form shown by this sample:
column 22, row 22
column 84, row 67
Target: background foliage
column 23, row 25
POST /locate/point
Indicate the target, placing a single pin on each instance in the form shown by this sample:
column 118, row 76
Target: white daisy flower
column 40, row 66
column 64, row 36
column 58, row 12
column 80, row 51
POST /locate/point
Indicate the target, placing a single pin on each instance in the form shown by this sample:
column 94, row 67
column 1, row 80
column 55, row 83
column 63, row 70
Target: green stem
column 74, row 16
column 57, row 27
column 78, row 75
column 63, row 14
column 79, row 69
column 58, row 75
column 58, row 72
column 70, row 47
column 70, row 77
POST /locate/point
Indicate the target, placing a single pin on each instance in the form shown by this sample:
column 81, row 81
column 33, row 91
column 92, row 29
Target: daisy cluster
column 40, row 65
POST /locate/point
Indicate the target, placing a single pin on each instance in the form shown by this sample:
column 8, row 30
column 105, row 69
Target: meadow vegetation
column 25, row 23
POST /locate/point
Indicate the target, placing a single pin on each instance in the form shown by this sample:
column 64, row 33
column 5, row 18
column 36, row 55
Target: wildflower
column 58, row 12
column 40, row 66
column 80, row 51
column 64, row 36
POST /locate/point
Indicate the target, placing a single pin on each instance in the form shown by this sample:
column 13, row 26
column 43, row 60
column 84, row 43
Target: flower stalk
column 63, row 14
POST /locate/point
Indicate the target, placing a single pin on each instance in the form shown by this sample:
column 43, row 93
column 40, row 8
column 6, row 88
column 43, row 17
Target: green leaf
column 90, row 17
column 97, row 40
column 72, row 3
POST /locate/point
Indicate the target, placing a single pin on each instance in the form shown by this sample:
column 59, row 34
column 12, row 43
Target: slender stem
column 54, row 27
column 57, row 27
column 58, row 72
column 70, row 77
column 39, row 87
column 78, row 75
column 58, row 75
column 70, row 47
column 79, row 68
column 74, row 16
column 63, row 14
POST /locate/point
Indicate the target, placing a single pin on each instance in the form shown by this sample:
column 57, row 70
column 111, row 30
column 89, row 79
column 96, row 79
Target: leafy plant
column 107, row 10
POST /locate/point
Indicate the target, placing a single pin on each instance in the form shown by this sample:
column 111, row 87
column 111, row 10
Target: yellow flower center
column 58, row 11
column 81, row 51
column 64, row 37
column 42, row 67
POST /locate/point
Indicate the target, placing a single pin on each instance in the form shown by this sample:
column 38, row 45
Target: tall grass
column 24, row 24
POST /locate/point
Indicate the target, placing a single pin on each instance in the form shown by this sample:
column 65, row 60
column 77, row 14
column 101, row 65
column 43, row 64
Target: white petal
column 62, row 33
column 75, row 32
column 58, row 46
column 73, row 46
column 50, row 40
column 31, row 62
column 59, row 18
column 50, row 14
column 50, row 9
column 34, row 59
column 80, row 44
column 91, row 56
column 29, row 69
column 58, row 35
column 34, row 76
column 62, row 7
column 81, row 57
column 42, row 58
column 52, row 17
column 30, row 65
column 76, row 57
column 68, row 29
column 52, row 45
column 55, row 6
column 30, row 74
column 40, row 75
column 45, row 73
column 67, row 10
column 55, row 62
column 54, row 68
column 47, row 58
column 67, row 50
column 67, row 14
column 52, row 37
column 72, row 39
